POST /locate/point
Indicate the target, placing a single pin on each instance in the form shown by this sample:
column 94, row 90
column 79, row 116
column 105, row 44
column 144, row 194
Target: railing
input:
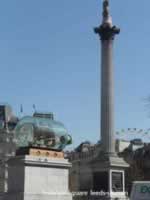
column 75, row 156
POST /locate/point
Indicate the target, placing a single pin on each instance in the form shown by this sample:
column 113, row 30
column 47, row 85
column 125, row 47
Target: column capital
column 107, row 32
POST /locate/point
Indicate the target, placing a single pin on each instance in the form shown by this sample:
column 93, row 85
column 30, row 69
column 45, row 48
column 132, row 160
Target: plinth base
column 38, row 178
column 39, row 152
column 109, row 176
column 36, row 197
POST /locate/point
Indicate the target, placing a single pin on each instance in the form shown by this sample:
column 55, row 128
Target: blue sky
column 50, row 57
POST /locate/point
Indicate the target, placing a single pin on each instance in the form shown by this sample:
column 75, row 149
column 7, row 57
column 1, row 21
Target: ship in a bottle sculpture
column 41, row 131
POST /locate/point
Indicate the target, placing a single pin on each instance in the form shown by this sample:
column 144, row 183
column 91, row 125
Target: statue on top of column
column 106, row 30
column 107, row 20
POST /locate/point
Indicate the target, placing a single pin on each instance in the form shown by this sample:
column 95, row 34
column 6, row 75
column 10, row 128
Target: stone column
column 109, row 169
column 107, row 32
column 107, row 97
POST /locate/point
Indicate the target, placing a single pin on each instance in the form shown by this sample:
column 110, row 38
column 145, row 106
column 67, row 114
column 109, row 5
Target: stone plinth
column 38, row 178
column 109, row 176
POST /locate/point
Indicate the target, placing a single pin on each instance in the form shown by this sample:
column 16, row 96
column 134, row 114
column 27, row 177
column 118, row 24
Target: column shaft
column 107, row 96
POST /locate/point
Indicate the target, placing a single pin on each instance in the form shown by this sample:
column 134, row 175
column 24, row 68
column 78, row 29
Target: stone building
column 7, row 146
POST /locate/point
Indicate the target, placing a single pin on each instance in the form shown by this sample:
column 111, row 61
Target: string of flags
column 133, row 131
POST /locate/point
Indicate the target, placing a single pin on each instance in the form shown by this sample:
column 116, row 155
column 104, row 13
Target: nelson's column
column 111, row 167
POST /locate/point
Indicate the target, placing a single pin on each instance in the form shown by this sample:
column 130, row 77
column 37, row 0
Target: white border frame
column 116, row 194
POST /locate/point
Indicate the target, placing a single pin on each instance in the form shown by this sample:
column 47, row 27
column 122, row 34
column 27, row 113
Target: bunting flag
column 21, row 108
column 34, row 107
column 133, row 133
